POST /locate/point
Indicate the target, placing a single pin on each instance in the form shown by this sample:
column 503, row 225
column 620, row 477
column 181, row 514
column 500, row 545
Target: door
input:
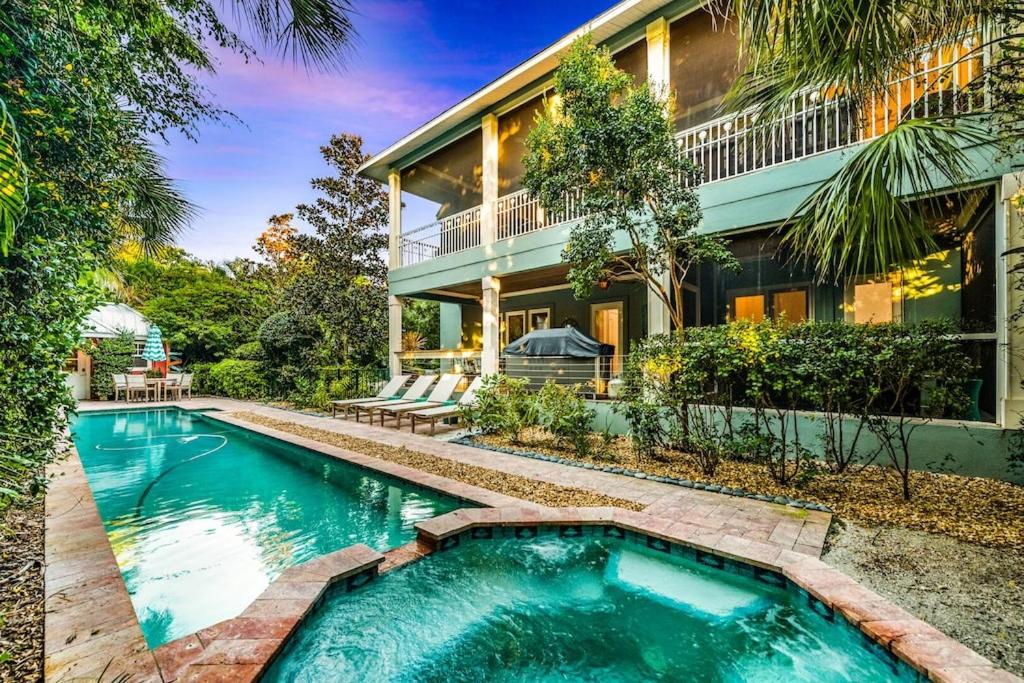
column 76, row 376
column 606, row 326
column 515, row 326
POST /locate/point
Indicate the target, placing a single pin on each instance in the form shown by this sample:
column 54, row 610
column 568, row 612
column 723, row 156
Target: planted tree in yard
column 862, row 219
column 609, row 146
column 342, row 283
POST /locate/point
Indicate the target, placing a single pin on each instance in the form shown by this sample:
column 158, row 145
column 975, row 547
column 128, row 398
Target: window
column 703, row 49
column 874, row 300
column 606, row 326
column 788, row 305
column 514, row 324
column 540, row 319
column 749, row 308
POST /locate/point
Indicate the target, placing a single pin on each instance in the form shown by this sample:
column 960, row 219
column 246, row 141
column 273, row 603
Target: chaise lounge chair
column 432, row 415
column 438, row 397
column 416, row 391
column 389, row 391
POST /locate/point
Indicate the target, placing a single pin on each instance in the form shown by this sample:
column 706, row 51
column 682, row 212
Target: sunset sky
column 413, row 59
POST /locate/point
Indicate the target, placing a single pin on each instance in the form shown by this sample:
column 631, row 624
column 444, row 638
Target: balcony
column 937, row 81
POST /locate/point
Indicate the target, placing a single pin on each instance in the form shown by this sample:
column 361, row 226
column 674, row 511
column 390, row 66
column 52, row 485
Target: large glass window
column 703, row 51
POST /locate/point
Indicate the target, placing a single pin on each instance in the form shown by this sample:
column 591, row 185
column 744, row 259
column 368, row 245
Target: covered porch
column 479, row 319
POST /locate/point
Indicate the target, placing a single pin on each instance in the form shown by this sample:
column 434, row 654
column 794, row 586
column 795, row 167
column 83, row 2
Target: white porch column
column 659, row 321
column 491, row 325
column 395, row 222
column 1009, row 335
column 394, row 335
column 489, row 208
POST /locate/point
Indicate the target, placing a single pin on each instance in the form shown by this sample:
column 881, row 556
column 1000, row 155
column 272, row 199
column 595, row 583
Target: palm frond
column 13, row 179
column 861, row 221
column 155, row 212
column 315, row 32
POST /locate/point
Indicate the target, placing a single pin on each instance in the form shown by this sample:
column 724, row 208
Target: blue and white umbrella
column 154, row 350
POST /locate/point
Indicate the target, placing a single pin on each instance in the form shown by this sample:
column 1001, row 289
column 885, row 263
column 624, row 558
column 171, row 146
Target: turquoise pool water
column 202, row 516
column 583, row 609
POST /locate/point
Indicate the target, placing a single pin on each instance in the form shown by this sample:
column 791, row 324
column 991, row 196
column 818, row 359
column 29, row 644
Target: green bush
column 681, row 391
column 110, row 357
column 202, row 379
column 288, row 339
column 251, row 350
column 504, row 405
column 563, row 413
column 241, row 379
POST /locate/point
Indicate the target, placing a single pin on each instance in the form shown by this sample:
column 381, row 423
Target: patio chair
column 418, row 388
column 120, row 385
column 181, row 383
column 438, row 397
column 444, row 412
column 389, row 391
column 136, row 384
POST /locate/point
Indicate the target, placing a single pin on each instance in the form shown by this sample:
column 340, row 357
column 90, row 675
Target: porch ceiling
column 515, row 282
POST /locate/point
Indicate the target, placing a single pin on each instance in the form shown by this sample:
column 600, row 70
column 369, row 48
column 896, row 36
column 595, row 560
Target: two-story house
column 493, row 258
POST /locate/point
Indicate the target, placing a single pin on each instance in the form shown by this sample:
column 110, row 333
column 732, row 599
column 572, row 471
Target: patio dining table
column 159, row 385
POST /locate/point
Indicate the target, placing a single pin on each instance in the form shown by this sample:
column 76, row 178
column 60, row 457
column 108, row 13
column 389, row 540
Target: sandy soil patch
column 21, row 591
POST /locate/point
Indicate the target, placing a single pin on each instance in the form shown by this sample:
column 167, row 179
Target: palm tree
column 861, row 220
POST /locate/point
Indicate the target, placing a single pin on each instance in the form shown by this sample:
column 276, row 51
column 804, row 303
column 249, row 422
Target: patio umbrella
column 154, row 350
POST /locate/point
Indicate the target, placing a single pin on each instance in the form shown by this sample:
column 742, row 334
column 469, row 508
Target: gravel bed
column 973, row 593
column 21, row 592
column 532, row 490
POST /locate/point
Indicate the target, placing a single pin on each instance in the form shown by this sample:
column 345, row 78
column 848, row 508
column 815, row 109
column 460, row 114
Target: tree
column 342, row 281
column 862, row 220
column 610, row 144
column 203, row 311
column 88, row 84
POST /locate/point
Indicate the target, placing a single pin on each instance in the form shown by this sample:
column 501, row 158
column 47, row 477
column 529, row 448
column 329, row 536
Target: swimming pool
column 588, row 608
column 202, row 516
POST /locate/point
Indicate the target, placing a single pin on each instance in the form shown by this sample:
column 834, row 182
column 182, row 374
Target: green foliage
column 342, row 285
column 424, row 318
column 87, row 85
column 732, row 390
column 241, row 379
column 610, row 145
column 202, row 380
column 13, row 179
column 862, row 217
column 504, row 405
column 110, row 357
column 251, row 350
column 287, row 338
column 203, row 312
column 563, row 413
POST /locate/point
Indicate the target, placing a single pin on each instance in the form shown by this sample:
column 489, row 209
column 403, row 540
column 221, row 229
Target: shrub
column 504, row 405
column 250, row 350
column 241, row 379
column 110, row 357
column 682, row 390
column 563, row 413
column 202, row 380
